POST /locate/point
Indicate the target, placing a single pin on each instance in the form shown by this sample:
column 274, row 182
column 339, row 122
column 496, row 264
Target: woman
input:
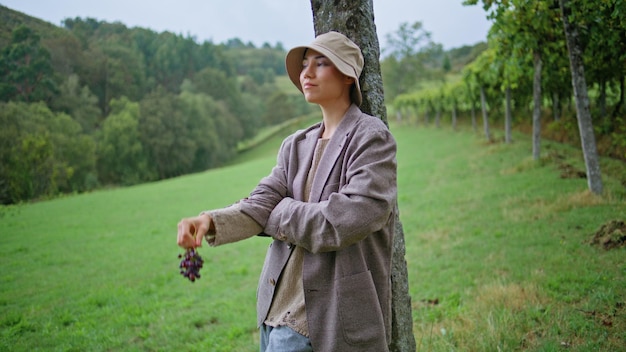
column 329, row 206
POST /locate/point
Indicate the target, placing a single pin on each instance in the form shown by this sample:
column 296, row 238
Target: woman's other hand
column 192, row 230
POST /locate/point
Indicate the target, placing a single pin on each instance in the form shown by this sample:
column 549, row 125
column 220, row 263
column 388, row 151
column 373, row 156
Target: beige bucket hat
column 339, row 49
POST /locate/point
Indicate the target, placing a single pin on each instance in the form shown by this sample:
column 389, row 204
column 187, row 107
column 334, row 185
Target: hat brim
column 293, row 64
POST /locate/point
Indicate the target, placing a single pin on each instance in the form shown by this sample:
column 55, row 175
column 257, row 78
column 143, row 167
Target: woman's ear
column 348, row 80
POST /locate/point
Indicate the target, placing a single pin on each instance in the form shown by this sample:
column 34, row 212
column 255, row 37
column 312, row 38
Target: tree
column 279, row 109
column 356, row 20
column 221, row 87
column 124, row 72
column 25, row 70
column 41, row 153
column 408, row 50
column 26, row 160
column 79, row 103
column 212, row 128
column 605, row 51
column 585, row 126
column 471, row 88
column 481, row 76
column 532, row 25
column 74, row 153
column 164, row 134
column 407, row 39
column 122, row 159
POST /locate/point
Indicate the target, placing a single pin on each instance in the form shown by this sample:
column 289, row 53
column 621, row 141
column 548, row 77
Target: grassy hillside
column 497, row 247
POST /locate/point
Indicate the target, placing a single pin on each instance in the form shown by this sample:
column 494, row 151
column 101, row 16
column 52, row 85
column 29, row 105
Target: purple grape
column 190, row 264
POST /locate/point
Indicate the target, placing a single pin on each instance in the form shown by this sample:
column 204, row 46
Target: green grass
column 497, row 241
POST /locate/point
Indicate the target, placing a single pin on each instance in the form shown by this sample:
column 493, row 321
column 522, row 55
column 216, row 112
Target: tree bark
column 473, row 113
column 602, row 99
column 355, row 19
column 556, row 106
column 454, row 115
column 585, row 126
column 618, row 106
column 507, row 117
column 537, row 63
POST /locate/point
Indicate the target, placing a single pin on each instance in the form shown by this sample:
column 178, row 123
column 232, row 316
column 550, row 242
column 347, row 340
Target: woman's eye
column 322, row 63
column 316, row 63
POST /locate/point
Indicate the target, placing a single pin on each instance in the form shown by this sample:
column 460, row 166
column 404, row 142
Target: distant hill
column 10, row 19
column 459, row 57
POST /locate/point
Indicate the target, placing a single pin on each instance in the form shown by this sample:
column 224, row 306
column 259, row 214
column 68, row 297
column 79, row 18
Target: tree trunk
column 507, row 116
column 537, row 63
column 454, row 115
column 556, row 106
column 585, row 126
column 355, row 19
column 483, row 103
column 473, row 112
column 619, row 104
column 602, row 99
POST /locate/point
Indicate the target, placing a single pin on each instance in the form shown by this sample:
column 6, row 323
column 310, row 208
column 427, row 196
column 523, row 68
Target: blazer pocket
column 359, row 309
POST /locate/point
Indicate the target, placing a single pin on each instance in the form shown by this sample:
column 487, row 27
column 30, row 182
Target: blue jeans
column 283, row 339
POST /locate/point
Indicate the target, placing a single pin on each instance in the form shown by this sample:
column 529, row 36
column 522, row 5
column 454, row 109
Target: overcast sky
column 259, row 21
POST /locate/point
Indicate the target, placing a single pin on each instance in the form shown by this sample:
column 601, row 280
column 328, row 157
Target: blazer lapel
column 305, row 147
column 333, row 151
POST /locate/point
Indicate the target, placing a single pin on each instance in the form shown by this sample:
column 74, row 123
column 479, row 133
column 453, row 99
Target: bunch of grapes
column 190, row 264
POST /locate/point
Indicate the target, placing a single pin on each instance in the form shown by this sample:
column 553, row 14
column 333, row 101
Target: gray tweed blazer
column 346, row 229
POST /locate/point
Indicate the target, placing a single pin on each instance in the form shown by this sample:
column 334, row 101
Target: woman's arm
column 361, row 207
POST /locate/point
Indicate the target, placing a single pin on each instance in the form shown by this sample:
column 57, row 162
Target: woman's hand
column 192, row 230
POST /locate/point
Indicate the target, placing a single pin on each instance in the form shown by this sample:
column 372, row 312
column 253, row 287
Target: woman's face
column 321, row 81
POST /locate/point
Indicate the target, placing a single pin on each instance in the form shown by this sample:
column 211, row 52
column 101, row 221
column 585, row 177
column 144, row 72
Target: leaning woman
column 328, row 208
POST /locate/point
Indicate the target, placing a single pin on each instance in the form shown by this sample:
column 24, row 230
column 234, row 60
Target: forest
column 96, row 104
column 93, row 104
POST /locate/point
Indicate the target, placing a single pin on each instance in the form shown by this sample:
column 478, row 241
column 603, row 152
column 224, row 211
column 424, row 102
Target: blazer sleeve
column 270, row 190
column 247, row 217
column 361, row 206
column 231, row 225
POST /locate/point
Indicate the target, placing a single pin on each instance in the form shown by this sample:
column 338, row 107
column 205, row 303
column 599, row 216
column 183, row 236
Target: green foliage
column 124, row 72
column 407, row 40
column 279, row 109
column 413, row 61
column 42, row 153
column 525, row 30
column 264, row 61
column 25, row 70
column 159, row 104
column 217, row 84
column 163, row 133
column 121, row 155
column 410, row 52
column 212, row 129
column 447, row 65
column 79, row 103
column 261, row 77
